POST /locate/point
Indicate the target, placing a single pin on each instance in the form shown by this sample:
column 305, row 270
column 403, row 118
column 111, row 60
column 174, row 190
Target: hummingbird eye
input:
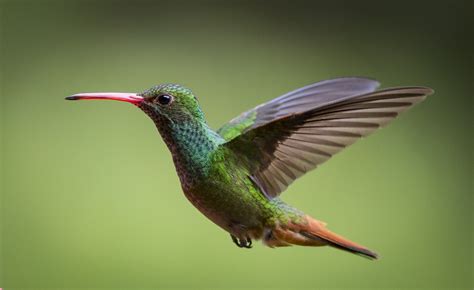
column 164, row 99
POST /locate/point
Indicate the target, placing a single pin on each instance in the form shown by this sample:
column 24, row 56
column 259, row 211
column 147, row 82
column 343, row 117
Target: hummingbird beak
column 132, row 98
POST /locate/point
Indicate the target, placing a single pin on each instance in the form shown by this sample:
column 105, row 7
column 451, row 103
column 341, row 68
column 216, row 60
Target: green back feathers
column 237, row 125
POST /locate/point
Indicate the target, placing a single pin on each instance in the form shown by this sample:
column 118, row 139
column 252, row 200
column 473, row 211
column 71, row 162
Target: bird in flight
column 235, row 175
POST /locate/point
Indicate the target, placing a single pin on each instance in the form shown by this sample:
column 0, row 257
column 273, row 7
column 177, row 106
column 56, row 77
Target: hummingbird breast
column 226, row 195
column 216, row 183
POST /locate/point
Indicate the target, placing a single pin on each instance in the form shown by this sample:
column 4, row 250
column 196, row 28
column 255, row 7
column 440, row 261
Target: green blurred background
column 89, row 194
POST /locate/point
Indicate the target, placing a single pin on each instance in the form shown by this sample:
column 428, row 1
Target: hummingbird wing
column 298, row 101
column 277, row 147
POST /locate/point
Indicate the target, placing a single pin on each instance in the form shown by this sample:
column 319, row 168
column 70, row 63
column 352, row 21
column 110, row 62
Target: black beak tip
column 71, row 98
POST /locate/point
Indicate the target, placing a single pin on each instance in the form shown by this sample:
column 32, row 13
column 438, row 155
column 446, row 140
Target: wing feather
column 298, row 101
column 298, row 131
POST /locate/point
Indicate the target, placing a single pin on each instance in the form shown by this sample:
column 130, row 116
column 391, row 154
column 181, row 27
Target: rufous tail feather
column 312, row 232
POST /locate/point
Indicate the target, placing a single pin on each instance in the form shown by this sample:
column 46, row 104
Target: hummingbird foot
column 242, row 243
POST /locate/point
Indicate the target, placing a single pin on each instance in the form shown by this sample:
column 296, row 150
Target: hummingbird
column 235, row 175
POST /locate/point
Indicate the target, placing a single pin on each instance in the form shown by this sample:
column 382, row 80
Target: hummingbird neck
column 191, row 143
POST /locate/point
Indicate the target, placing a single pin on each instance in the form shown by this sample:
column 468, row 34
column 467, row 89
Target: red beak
column 124, row 97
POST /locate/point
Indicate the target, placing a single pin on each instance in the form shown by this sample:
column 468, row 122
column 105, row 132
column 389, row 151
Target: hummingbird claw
column 249, row 243
column 241, row 243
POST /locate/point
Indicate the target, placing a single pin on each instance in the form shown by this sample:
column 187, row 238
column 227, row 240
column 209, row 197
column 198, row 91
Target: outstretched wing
column 298, row 101
column 277, row 151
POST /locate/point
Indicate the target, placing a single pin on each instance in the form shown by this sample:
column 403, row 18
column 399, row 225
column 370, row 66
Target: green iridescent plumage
column 234, row 175
column 203, row 164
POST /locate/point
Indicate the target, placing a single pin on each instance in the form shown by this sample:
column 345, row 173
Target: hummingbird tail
column 314, row 233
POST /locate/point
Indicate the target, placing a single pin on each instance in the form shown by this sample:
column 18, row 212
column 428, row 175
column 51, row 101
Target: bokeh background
column 89, row 193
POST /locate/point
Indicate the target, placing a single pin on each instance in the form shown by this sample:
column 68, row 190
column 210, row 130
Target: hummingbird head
column 171, row 102
column 165, row 103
